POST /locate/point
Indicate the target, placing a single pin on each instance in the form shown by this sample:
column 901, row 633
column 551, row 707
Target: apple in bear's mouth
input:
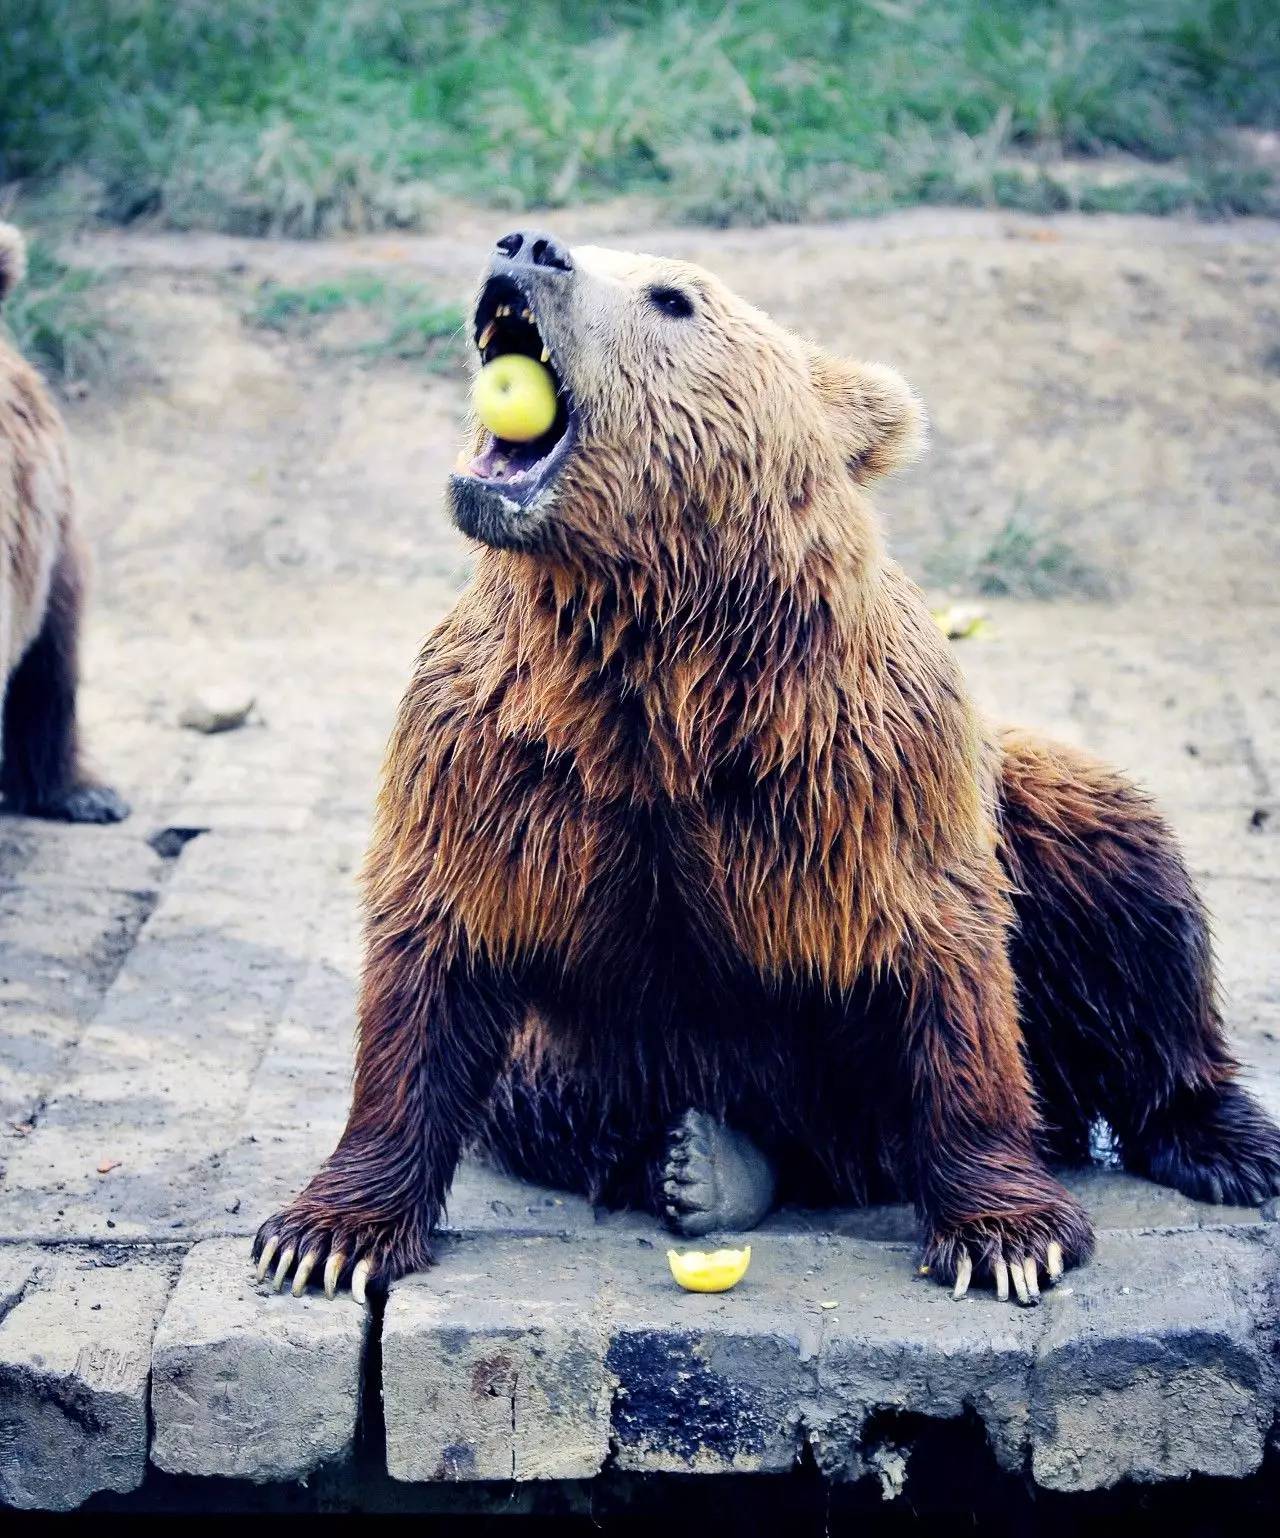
column 516, row 467
column 515, row 398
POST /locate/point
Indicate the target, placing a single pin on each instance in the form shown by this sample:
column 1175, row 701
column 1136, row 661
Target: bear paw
column 354, row 1250
column 1216, row 1146
column 1010, row 1254
column 713, row 1178
column 93, row 803
column 87, row 802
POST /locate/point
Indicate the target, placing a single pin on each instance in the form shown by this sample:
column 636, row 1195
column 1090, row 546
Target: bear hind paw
column 712, row 1178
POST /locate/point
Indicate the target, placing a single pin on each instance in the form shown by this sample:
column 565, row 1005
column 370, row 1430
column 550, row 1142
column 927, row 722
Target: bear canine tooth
column 546, row 355
column 486, row 336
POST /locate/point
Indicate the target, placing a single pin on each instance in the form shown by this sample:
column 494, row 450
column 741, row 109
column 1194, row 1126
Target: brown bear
column 695, row 874
column 41, row 596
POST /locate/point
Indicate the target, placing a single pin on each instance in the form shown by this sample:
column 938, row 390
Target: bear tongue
column 500, row 461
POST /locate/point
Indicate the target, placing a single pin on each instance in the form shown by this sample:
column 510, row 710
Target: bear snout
column 531, row 248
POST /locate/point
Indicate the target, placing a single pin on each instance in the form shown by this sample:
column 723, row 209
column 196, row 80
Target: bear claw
column 1022, row 1272
column 282, row 1270
column 332, row 1271
column 302, row 1255
column 305, row 1267
column 268, row 1255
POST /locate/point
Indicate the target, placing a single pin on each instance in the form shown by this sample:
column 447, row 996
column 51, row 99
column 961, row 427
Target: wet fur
column 688, row 806
column 41, row 597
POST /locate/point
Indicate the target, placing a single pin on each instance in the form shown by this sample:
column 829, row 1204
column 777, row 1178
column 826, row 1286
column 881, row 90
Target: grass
column 1020, row 560
column 382, row 320
column 310, row 117
column 54, row 320
column 1023, row 562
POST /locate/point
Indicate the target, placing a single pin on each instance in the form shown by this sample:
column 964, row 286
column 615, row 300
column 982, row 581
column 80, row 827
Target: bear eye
column 671, row 301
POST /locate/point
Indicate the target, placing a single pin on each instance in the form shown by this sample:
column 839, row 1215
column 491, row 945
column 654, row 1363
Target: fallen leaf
column 962, row 621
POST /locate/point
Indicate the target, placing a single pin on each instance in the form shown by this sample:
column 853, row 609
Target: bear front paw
column 356, row 1250
column 1010, row 1253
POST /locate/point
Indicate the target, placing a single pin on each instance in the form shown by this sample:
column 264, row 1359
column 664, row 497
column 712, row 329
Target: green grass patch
column 1021, row 560
column 54, row 319
column 377, row 319
column 310, row 117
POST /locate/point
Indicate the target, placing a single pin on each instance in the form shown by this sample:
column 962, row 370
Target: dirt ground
column 1105, row 398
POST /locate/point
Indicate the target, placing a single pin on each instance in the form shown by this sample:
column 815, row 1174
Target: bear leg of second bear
column 40, row 770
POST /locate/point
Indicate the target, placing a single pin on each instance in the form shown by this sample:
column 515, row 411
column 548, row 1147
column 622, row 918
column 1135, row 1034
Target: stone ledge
column 75, row 1352
column 1167, row 1374
column 543, row 1358
column 493, row 1365
column 246, row 1384
column 1151, row 1364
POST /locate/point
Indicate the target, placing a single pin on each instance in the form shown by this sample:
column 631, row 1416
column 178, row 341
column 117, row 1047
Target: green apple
column 515, row 398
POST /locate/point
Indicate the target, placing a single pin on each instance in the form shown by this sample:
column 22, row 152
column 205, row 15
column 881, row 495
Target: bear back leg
column 41, row 774
column 692, row 1170
column 561, row 1130
column 1117, row 995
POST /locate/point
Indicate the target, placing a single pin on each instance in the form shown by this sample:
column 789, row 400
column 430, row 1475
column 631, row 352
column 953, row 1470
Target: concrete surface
column 177, row 993
column 494, row 1365
column 75, row 1354
column 248, row 1384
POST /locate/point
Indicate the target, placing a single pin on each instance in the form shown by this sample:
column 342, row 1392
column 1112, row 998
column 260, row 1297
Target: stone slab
column 1155, row 1363
column 895, row 1342
column 60, row 949
column 155, row 1086
column 541, row 1358
column 712, row 1383
column 247, row 1384
column 75, row 1352
column 494, row 1365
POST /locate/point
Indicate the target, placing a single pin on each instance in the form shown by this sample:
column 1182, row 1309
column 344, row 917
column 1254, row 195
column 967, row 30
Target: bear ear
column 879, row 421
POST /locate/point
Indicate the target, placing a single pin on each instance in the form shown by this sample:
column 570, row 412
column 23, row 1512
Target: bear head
column 688, row 423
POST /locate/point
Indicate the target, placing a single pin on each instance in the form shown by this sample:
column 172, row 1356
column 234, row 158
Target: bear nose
column 531, row 248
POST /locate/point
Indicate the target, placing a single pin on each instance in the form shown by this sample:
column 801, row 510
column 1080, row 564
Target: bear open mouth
column 505, row 322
